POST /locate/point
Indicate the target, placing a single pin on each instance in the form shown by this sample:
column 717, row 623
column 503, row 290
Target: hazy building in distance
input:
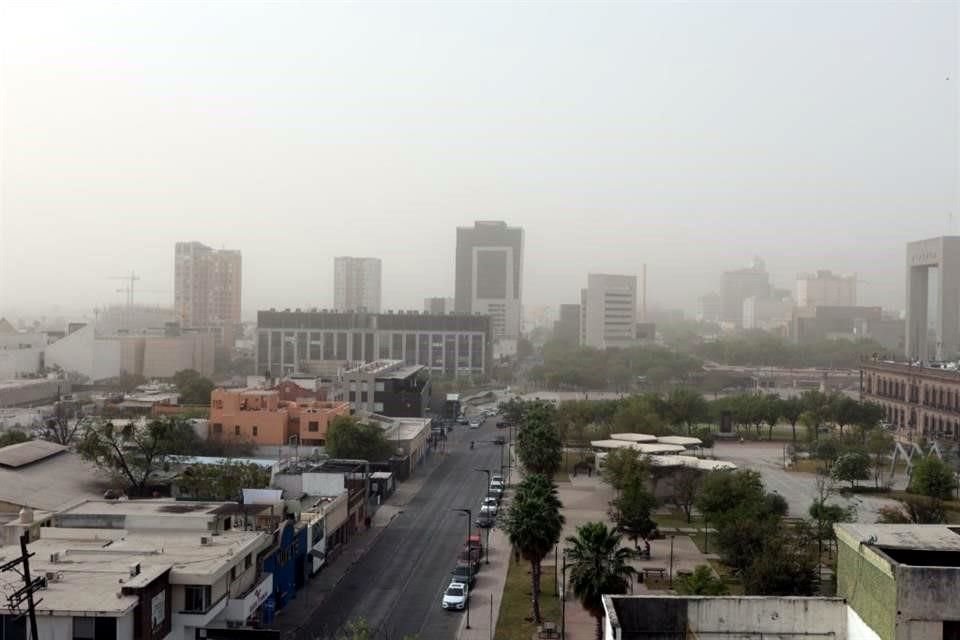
column 708, row 307
column 608, row 311
column 768, row 314
column 942, row 254
column 826, row 289
column 207, row 290
column 489, row 275
column 438, row 305
column 740, row 284
column 567, row 327
column 356, row 284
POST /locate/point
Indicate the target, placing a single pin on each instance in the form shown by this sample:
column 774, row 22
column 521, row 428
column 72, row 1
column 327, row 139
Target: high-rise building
column 207, row 290
column 356, row 284
column 438, row 305
column 740, row 284
column 489, row 275
column 567, row 328
column 826, row 289
column 608, row 311
column 708, row 307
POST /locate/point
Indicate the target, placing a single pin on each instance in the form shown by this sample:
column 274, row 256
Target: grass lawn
column 515, row 606
column 734, row 586
column 676, row 518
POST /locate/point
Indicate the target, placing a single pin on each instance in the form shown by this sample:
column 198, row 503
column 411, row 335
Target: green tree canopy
column 632, row 510
column 192, row 387
column 533, row 523
column 13, row 436
column 851, row 467
column 349, row 438
column 702, row 582
column 222, row 481
column 538, row 442
column 598, row 566
column 932, row 477
column 620, row 466
column 785, row 566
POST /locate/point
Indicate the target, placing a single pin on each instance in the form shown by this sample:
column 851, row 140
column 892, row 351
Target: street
column 397, row 585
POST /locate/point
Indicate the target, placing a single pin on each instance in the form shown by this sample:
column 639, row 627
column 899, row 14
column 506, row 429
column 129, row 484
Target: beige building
column 207, row 290
column 917, row 400
column 826, row 289
column 608, row 311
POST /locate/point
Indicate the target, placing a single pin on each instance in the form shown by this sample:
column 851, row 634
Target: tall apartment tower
column 356, row 284
column 608, row 311
column 207, row 290
column 740, row 284
column 826, row 289
column 489, row 275
column 438, row 306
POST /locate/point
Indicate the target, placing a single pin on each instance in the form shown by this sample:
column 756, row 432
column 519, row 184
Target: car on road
column 455, row 597
column 497, row 477
column 485, row 521
column 496, row 495
column 464, row 574
column 470, row 558
column 462, row 420
column 499, row 440
column 489, row 506
column 475, row 424
column 497, row 485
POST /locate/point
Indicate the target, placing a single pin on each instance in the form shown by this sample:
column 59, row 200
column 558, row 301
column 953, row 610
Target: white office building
column 608, row 311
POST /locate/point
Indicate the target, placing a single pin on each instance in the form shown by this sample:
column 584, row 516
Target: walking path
column 485, row 598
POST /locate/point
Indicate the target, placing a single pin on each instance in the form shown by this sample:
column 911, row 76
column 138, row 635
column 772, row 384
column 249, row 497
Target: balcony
column 201, row 618
column 240, row 608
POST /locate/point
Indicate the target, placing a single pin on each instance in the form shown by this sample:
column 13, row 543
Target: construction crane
column 128, row 291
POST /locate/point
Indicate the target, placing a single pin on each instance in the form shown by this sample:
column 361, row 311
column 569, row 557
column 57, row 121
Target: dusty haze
column 686, row 136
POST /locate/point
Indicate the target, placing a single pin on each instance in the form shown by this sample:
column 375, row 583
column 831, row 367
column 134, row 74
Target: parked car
column 497, row 486
column 462, row 420
column 496, row 477
column 497, row 495
column 455, row 597
column 474, row 542
column 464, row 574
column 489, row 506
column 485, row 521
column 475, row 424
column 471, row 558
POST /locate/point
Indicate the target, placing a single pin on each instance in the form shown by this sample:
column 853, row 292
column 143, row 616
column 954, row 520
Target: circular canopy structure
column 611, row 444
column 683, row 441
column 634, row 437
column 716, row 465
column 658, row 449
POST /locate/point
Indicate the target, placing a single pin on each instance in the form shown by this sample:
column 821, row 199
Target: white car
column 496, row 478
column 455, row 597
column 489, row 506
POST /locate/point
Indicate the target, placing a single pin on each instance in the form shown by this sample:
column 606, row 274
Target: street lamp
column 487, row 554
column 563, row 596
column 671, row 562
column 466, row 605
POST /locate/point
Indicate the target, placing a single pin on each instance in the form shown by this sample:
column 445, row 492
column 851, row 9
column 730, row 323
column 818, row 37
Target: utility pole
column 30, row 585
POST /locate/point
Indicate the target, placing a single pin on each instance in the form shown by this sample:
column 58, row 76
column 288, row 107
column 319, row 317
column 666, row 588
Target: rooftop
column 92, row 566
column 162, row 506
column 24, row 453
column 918, row 537
column 633, row 437
column 52, row 483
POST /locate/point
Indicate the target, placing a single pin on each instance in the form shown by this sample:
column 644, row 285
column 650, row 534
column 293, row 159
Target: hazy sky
column 687, row 136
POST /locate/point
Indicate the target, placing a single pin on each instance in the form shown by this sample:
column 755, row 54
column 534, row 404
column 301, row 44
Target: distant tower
column 207, row 289
column 356, row 284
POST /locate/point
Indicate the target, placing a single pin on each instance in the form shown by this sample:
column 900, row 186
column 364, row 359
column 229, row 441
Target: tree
column 913, row 510
column 13, row 436
column 932, row 477
column 825, row 514
column 686, row 486
column 127, row 382
column 62, row 426
column 598, row 566
column 534, row 524
column 641, row 414
column 349, row 438
column 723, row 491
column 791, row 409
column 771, row 409
column 192, row 387
column 785, row 566
column 223, row 481
column 851, row 467
column 135, row 452
column 539, row 447
column 879, row 447
column 702, row 582
column 686, row 407
column 631, row 511
column 621, row 465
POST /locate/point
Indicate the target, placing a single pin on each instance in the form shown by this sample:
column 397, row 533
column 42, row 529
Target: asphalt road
column 397, row 586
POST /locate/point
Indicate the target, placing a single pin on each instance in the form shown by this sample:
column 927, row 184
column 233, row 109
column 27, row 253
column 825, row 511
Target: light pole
column 671, row 562
column 563, row 596
column 466, row 605
column 487, row 554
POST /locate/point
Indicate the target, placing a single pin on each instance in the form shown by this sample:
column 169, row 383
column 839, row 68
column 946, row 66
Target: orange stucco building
column 260, row 416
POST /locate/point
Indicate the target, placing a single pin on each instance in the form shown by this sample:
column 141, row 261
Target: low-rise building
column 409, row 437
column 331, row 478
column 21, row 352
column 260, row 416
column 30, row 392
column 387, row 387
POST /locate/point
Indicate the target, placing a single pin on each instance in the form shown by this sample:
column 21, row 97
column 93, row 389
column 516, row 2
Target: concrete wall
column 926, row 596
column 60, row 627
column 866, row 580
column 83, row 352
column 323, row 484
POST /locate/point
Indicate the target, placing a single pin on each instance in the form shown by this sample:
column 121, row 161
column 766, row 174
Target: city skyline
column 724, row 144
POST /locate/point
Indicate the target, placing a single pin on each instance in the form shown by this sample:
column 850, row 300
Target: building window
column 196, row 598
column 236, row 429
column 378, row 386
column 86, row 628
column 217, row 428
column 313, row 425
column 255, row 430
column 378, row 407
column 233, row 573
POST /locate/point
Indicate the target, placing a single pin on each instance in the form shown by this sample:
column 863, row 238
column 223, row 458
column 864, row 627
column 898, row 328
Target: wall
column 83, row 352
column 857, row 629
column 926, row 594
column 866, row 580
column 750, row 616
column 323, row 484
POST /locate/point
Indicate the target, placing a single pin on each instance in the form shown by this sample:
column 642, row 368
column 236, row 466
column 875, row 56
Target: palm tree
column 534, row 524
column 598, row 567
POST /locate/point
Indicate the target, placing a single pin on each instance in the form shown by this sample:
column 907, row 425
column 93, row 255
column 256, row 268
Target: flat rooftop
column 93, row 565
column 921, row 537
column 52, row 483
column 179, row 508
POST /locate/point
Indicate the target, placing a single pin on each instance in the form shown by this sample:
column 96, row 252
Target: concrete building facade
column 943, row 255
column 489, row 275
column 261, row 417
column 768, row 314
column 826, row 289
column 567, row 327
column 21, row 352
column 438, row 306
column 608, row 311
column 356, row 284
column 291, row 342
column 387, row 387
column 207, row 290
column 917, row 400
column 708, row 307
column 740, row 284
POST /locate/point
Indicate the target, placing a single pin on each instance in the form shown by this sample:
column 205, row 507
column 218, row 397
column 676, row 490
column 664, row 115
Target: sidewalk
column 484, row 612
column 297, row 613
